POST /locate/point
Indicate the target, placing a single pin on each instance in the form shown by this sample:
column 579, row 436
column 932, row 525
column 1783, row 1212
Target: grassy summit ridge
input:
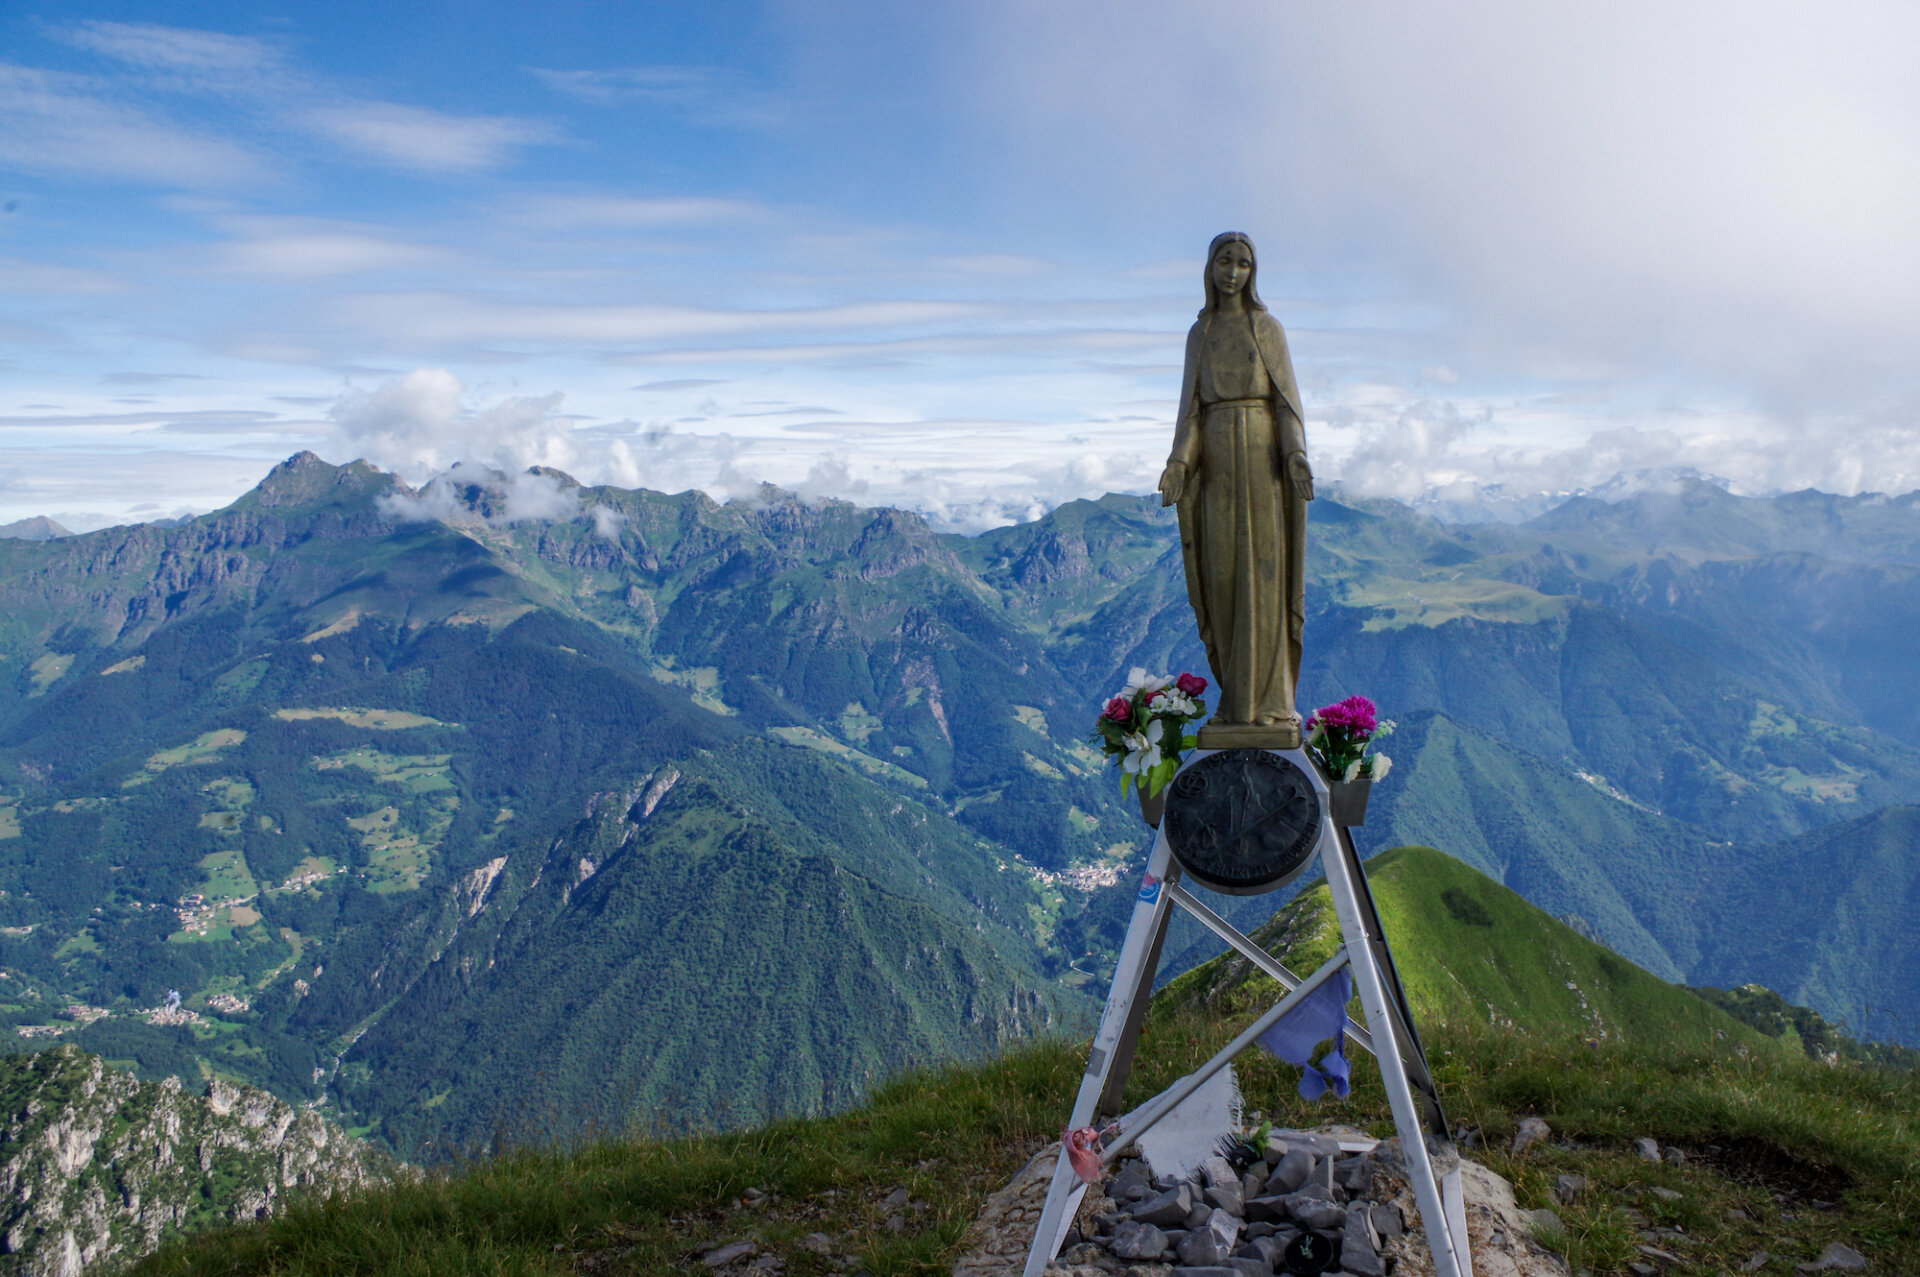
column 1807, row 1153
column 1472, row 952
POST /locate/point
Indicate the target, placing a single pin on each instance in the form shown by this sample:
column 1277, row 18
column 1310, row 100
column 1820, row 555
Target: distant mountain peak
column 560, row 477
column 37, row 528
column 304, row 479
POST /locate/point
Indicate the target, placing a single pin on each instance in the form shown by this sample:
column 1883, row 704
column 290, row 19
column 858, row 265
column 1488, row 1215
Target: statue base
column 1250, row 736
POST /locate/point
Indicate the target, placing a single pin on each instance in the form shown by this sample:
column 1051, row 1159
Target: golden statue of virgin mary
column 1239, row 474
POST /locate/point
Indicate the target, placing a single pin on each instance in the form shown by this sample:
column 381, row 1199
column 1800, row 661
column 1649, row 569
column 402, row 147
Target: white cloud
column 415, row 318
column 210, row 54
column 212, row 418
column 239, row 71
column 53, row 122
column 1426, row 451
column 305, row 247
column 39, row 277
column 1512, row 245
column 418, row 425
column 1720, row 191
column 607, row 521
column 474, row 494
column 707, row 95
column 1075, row 344
column 413, row 137
column 570, row 211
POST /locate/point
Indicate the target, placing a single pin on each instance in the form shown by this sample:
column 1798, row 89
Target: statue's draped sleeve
column 1290, row 426
column 1272, row 343
column 1186, row 425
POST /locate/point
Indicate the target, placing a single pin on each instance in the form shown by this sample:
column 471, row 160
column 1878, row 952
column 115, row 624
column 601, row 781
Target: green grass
column 1471, row 952
column 703, row 682
column 639, row 1205
column 399, row 858
column 419, row 773
column 856, row 724
column 377, row 719
column 1808, row 1132
column 204, row 748
column 1433, row 601
column 48, row 670
column 224, row 875
column 808, row 738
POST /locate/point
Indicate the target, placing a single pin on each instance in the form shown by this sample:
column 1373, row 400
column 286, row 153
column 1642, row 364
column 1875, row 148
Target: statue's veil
column 1213, row 294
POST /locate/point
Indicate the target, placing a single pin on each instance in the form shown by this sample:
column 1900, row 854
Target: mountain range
column 510, row 807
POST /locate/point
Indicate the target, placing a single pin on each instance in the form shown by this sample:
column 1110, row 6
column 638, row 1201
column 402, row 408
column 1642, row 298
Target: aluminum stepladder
column 1388, row 1035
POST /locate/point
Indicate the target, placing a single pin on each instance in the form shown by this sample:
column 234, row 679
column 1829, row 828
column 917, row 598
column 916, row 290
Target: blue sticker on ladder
column 1149, row 889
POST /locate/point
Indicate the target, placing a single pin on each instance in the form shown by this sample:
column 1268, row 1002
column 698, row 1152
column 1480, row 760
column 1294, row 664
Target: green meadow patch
column 204, row 748
column 809, row 738
column 386, row 720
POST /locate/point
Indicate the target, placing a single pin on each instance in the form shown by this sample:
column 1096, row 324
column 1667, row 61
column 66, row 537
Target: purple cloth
column 1321, row 1015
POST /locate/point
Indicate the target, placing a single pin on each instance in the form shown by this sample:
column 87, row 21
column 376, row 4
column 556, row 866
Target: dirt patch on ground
column 1764, row 1164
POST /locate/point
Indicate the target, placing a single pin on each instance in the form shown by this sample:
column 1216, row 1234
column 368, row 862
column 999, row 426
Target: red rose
column 1190, row 684
column 1119, row 710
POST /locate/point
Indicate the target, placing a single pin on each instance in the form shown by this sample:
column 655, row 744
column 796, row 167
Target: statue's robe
column 1242, row 528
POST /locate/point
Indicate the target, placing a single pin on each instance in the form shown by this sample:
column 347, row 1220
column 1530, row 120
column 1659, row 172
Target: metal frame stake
column 1389, row 1035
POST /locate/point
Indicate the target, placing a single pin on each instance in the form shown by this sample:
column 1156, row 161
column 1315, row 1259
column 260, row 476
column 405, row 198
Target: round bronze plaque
column 1242, row 821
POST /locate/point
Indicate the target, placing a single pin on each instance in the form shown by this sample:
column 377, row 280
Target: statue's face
column 1232, row 268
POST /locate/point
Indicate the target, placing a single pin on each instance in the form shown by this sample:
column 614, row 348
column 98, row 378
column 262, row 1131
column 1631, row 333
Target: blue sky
column 943, row 255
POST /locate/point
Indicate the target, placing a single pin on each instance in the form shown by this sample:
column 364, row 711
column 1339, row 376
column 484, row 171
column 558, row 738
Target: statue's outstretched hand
column 1300, row 475
column 1173, row 482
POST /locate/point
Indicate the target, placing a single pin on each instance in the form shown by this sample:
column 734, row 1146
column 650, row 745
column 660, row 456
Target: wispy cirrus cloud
column 412, row 137
column 54, row 122
column 1024, row 343
column 204, row 57
column 40, row 277
column 313, row 247
column 466, row 318
column 561, row 211
column 704, row 94
column 146, row 378
column 212, row 418
column 117, row 124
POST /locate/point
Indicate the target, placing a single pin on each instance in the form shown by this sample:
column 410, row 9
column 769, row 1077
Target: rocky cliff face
column 97, row 1165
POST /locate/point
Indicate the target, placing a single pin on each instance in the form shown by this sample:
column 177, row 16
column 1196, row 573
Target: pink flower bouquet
column 1341, row 736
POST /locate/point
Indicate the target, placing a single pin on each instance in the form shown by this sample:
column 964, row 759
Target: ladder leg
column 1120, row 1065
column 1132, row 984
column 1415, row 1057
column 1451, row 1257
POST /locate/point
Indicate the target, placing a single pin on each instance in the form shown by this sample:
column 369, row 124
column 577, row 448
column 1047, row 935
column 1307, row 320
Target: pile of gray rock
column 1346, row 1193
column 1302, row 1207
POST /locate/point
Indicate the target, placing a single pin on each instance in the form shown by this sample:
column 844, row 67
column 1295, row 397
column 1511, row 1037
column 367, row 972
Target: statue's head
column 1230, row 269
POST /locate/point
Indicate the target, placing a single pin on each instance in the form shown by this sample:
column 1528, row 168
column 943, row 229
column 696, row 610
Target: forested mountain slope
column 363, row 773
